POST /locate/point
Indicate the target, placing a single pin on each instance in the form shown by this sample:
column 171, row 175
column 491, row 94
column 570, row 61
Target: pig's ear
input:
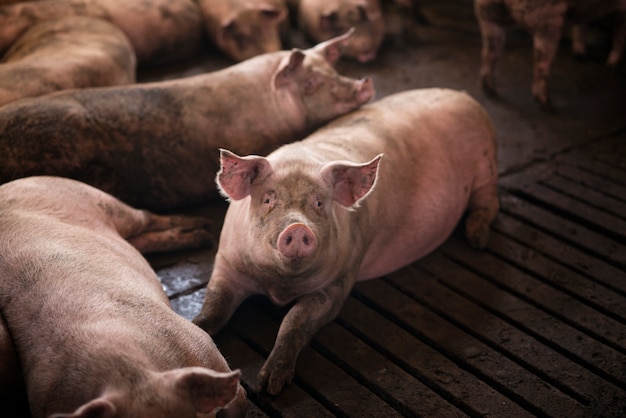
column 208, row 389
column 350, row 182
column 98, row 408
column 287, row 70
column 238, row 174
column 331, row 49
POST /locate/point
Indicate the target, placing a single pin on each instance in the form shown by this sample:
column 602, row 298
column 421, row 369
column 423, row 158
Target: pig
column 159, row 30
column 544, row 20
column 154, row 144
column 323, row 19
column 72, row 52
column 242, row 28
column 363, row 196
column 89, row 320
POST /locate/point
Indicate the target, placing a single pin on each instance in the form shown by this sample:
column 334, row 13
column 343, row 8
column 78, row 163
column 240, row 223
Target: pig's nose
column 297, row 240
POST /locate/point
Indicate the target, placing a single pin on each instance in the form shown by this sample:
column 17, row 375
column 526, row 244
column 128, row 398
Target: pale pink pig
column 155, row 145
column 87, row 316
column 359, row 198
column 323, row 19
column 245, row 28
column 544, row 20
column 159, row 30
column 66, row 53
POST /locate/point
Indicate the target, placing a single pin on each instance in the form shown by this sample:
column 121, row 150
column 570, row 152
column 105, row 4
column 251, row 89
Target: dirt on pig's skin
column 155, row 145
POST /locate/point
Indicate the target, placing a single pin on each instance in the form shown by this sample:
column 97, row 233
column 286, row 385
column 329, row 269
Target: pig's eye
column 269, row 198
column 310, row 84
column 319, row 204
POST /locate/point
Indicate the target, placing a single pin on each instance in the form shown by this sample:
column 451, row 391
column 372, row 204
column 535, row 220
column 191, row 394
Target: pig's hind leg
column 483, row 208
column 173, row 232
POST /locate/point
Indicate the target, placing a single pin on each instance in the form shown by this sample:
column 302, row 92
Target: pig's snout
column 297, row 241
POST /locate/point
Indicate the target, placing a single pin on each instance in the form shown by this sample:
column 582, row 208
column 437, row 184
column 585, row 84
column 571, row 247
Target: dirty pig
column 359, row 198
column 323, row 19
column 243, row 28
column 155, row 145
column 66, row 53
column 158, row 30
column 88, row 318
column 544, row 20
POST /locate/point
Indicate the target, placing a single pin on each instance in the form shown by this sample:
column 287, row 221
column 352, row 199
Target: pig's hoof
column 488, row 86
column 477, row 232
column 273, row 381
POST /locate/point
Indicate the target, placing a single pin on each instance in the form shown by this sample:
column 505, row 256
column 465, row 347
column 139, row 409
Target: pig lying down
column 159, row 30
column 244, row 28
column 359, row 198
column 155, row 145
column 324, row 19
column 73, row 52
column 544, row 20
column 88, row 318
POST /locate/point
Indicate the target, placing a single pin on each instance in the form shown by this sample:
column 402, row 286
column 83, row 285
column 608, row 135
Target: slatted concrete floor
column 535, row 325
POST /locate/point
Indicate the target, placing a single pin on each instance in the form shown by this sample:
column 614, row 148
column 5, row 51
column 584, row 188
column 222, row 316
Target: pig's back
column 438, row 146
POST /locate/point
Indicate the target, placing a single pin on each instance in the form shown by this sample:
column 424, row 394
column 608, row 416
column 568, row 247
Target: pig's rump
column 73, row 52
column 439, row 147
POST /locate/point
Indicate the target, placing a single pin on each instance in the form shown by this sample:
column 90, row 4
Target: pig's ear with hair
column 238, row 174
column 350, row 182
column 286, row 71
column 332, row 48
column 208, row 389
column 97, row 408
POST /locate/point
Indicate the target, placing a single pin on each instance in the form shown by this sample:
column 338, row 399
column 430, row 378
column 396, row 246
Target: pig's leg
column 167, row 233
column 579, row 32
column 545, row 45
column 619, row 40
column 493, row 40
column 222, row 297
column 303, row 320
column 483, row 208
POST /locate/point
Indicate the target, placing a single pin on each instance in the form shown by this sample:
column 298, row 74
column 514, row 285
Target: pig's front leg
column 222, row 297
column 545, row 45
column 619, row 41
column 301, row 323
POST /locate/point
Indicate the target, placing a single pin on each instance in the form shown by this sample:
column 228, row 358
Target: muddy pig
column 544, row 20
column 244, row 28
column 159, row 30
column 155, row 145
column 359, row 198
column 73, row 52
column 87, row 315
column 322, row 19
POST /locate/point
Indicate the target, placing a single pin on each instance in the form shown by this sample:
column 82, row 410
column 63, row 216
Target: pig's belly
column 400, row 246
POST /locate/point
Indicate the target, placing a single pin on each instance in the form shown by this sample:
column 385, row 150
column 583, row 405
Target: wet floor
column 533, row 325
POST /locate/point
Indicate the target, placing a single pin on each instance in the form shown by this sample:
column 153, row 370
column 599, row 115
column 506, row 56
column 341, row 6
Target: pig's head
column 365, row 16
column 313, row 86
column 292, row 213
column 253, row 31
column 186, row 392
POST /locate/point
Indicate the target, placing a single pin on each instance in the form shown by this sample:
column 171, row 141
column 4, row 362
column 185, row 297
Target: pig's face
column 252, row 32
column 323, row 94
column 185, row 392
column 367, row 20
column 291, row 217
